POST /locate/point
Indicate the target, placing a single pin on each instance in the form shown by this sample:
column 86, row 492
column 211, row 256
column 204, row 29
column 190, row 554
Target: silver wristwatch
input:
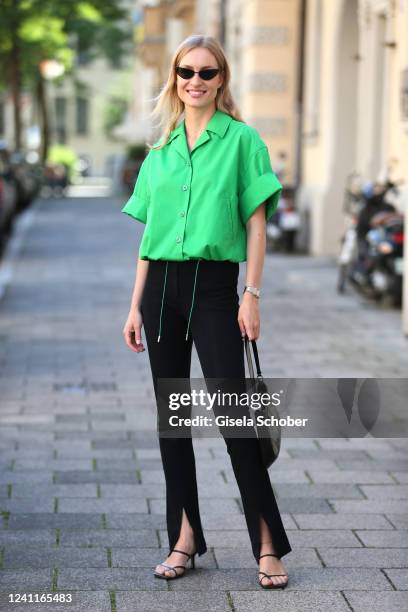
column 254, row 290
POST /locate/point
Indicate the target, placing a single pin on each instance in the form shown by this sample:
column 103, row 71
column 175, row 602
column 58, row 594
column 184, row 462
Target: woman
column 204, row 192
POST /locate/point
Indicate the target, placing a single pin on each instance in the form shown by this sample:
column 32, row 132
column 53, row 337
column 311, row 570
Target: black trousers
column 215, row 331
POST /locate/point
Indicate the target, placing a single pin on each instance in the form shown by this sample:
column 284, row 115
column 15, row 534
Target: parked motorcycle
column 384, row 262
column 371, row 257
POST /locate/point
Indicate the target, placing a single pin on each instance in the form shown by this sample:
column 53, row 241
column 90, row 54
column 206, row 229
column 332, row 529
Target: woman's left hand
column 248, row 316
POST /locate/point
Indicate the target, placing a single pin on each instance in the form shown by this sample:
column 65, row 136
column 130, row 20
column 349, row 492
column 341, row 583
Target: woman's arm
column 133, row 326
column 248, row 316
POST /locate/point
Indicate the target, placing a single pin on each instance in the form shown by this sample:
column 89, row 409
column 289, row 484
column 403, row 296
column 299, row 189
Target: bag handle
column 249, row 358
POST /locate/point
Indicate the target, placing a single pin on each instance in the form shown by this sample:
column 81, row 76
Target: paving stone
column 354, row 443
column 25, row 580
column 28, row 556
column 26, row 476
column 117, row 444
column 91, row 600
column 52, row 464
column 400, row 521
column 115, row 578
column 108, row 537
column 308, row 453
column 61, row 490
column 75, row 446
column 102, row 476
column 369, row 506
column 132, row 490
column 26, row 504
column 398, row 577
column 342, row 521
column 364, row 557
column 350, row 476
column 391, row 465
column 96, row 453
column 29, row 453
column 384, row 601
column 328, row 538
column 384, row 539
column 152, row 477
column 304, row 505
column 28, row 536
column 171, row 602
column 114, row 504
column 289, row 601
column 344, row 491
column 55, row 520
column 115, row 520
column 385, row 492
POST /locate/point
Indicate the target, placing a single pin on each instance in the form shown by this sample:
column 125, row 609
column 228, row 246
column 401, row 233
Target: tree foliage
column 63, row 30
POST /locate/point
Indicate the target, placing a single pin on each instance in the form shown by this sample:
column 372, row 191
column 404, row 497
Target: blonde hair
column 169, row 107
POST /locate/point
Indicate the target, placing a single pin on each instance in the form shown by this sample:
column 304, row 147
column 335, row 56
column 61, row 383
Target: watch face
column 252, row 290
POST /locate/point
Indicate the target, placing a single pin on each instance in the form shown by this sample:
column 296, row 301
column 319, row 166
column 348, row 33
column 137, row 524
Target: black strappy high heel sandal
column 271, row 585
column 173, row 567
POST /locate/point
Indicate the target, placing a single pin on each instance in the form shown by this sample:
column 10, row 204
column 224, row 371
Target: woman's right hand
column 132, row 331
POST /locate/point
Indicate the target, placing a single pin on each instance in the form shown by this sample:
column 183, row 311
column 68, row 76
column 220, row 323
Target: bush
column 61, row 154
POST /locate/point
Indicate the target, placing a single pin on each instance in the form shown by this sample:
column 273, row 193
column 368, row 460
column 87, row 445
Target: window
column 60, row 119
column 82, row 112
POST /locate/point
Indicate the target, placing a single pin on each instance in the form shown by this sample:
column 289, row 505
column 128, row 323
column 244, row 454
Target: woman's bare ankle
column 186, row 541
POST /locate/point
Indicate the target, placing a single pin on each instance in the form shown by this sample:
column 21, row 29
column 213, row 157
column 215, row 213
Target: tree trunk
column 42, row 105
column 15, row 80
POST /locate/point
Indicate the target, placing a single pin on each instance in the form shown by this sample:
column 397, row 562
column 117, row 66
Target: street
column 82, row 498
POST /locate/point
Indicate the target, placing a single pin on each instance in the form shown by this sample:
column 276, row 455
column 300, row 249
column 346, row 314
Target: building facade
column 261, row 40
column 355, row 110
column 324, row 81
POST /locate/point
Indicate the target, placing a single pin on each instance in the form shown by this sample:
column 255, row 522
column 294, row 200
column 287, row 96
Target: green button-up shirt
column 196, row 204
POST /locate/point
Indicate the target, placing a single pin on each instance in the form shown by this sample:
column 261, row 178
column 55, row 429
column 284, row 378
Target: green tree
column 32, row 31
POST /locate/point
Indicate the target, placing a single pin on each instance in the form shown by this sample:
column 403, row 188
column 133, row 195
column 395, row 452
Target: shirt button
column 185, row 187
column 178, row 239
column 182, row 213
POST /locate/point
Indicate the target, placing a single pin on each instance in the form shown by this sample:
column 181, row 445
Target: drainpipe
column 223, row 20
column 299, row 96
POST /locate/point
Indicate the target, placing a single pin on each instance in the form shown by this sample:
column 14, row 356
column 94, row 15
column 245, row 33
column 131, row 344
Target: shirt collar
column 218, row 124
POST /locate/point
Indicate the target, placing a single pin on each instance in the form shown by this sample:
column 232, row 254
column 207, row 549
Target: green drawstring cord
column 192, row 301
column 161, row 309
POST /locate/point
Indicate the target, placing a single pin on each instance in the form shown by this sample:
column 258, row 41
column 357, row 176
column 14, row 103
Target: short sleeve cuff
column 264, row 188
column 136, row 207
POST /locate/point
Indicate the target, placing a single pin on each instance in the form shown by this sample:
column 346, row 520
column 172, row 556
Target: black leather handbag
column 269, row 436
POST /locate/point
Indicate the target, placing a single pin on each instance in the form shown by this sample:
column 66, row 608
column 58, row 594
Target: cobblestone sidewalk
column 82, row 497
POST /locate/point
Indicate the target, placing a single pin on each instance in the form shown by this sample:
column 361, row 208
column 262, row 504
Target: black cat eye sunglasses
column 206, row 74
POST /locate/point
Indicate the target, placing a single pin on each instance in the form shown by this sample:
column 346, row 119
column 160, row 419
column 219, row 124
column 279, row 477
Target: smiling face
column 197, row 92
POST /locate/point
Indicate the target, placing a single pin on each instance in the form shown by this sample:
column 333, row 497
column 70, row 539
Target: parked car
column 28, row 178
column 8, row 199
